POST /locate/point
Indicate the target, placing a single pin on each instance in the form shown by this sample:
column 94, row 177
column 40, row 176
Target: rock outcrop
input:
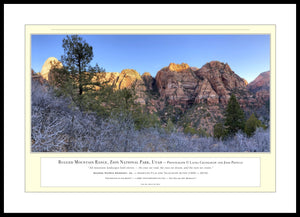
column 218, row 81
column 127, row 78
column 262, row 82
column 107, row 78
column 177, row 83
column 245, row 81
column 211, row 84
column 149, row 81
column 261, row 87
column 49, row 64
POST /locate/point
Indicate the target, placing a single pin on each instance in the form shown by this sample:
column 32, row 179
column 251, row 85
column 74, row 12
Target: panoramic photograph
column 150, row 93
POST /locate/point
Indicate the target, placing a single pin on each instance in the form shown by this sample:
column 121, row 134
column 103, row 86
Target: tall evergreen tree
column 74, row 79
column 234, row 117
column 77, row 56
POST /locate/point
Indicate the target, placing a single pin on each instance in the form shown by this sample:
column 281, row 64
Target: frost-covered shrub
column 59, row 127
column 49, row 119
column 259, row 142
column 261, row 137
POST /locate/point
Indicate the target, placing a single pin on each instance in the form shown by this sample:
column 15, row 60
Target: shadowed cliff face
column 149, row 81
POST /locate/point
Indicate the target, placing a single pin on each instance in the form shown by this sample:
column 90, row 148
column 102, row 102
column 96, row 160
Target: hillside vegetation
column 59, row 126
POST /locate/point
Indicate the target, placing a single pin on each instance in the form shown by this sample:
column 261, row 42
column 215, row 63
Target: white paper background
column 16, row 16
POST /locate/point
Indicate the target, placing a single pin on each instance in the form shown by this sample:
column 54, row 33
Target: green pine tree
column 73, row 79
column 234, row 117
column 77, row 56
column 251, row 124
column 219, row 131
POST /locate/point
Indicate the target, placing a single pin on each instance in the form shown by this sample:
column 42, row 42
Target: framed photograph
column 150, row 108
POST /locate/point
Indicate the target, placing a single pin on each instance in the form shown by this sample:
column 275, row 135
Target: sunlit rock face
column 108, row 78
column 127, row 78
column 49, row 64
column 177, row 83
column 131, row 78
column 211, row 84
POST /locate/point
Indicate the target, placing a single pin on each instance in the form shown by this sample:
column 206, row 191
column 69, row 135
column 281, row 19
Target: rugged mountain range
column 189, row 96
column 261, row 86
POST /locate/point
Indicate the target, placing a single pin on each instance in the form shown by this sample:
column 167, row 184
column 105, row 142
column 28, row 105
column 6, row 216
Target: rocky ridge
column 189, row 95
column 261, row 82
column 261, row 86
column 49, row 64
column 212, row 84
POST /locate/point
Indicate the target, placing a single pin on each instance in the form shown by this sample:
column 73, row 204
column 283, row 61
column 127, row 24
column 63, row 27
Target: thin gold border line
column 153, row 29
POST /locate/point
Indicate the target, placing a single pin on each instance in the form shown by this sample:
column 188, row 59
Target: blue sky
column 247, row 55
